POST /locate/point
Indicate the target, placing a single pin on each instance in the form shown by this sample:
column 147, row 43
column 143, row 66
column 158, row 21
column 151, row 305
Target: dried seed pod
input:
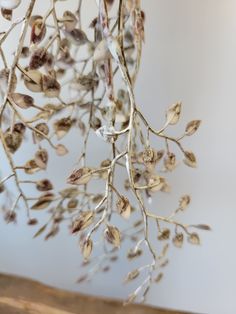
column 190, row 159
column 69, row 192
column 192, row 127
column 43, row 202
column 7, row 14
column 9, row 4
column 10, row 216
column 184, row 201
column 193, row 238
column 38, row 58
column 44, row 185
column 158, row 277
column 134, row 253
column 54, row 231
column 31, row 167
column 41, row 158
column 132, row 275
column 178, row 240
column 61, row 150
column 86, row 248
column 38, row 31
column 43, row 128
column 62, row 127
column 123, row 207
column 4, row 76
column 101, row 52
column 170, row 161
column 13, row 140
column 32, row 222
column 87, row 82
column 77, row 37
column 80, row 176
column 156, row 183
column 33, row 81
column 22, row 100
column 50, row 86
column 25, row 52
column 173, row 114
column 85, row 219
column 112, row 235
column 164, row 234
column 69, row 21
column 72, row 204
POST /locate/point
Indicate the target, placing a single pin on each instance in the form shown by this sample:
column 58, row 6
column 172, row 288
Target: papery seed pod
column 43, row 128
column 123, row 207
column 25, row 52
column 10, row 216
column 158, row 277
column 7, row 14
column 38, row 59
column 43, row 201
column 4, row 76
column 33, row 81
column 86, row 248
column 62, row 127
column 72, row 204
column 69, row 192
column 44, row 185
column 77, row 37
column 61, row 150
column 38, row 31
column 173, row 113
column 156, row 183
column 134, row 253
column 193, row 238
column 190, row 159
column 192, row 127
column 69, row 21
column 87, row 82
column 101, row 52
column 19, row 127
column 80, row 176
column 32, row 222
column 112, row 235
column 13, row 140
column 170, row 161
column 164, row 234
column 41, row 158
column 31, row 167
column 178, row 240
column 50, row 86
column 85, row 219
column 22, row 100
column 184, row 201
column 149, row 155
column 52, row 233
column 132, row 275
column 9, row 4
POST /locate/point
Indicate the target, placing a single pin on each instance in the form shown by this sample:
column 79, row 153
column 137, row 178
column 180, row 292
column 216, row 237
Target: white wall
column 189, row 55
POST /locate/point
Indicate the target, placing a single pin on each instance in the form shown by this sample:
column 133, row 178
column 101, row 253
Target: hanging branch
column 93, row 93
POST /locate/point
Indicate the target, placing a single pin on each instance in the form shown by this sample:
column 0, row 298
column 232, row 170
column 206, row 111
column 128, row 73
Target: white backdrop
column 189, row 55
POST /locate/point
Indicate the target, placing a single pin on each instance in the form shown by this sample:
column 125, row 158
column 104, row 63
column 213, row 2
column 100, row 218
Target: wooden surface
column 23, row 296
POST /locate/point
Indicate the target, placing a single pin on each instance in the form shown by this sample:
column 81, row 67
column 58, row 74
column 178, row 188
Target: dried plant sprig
column 49, row 51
